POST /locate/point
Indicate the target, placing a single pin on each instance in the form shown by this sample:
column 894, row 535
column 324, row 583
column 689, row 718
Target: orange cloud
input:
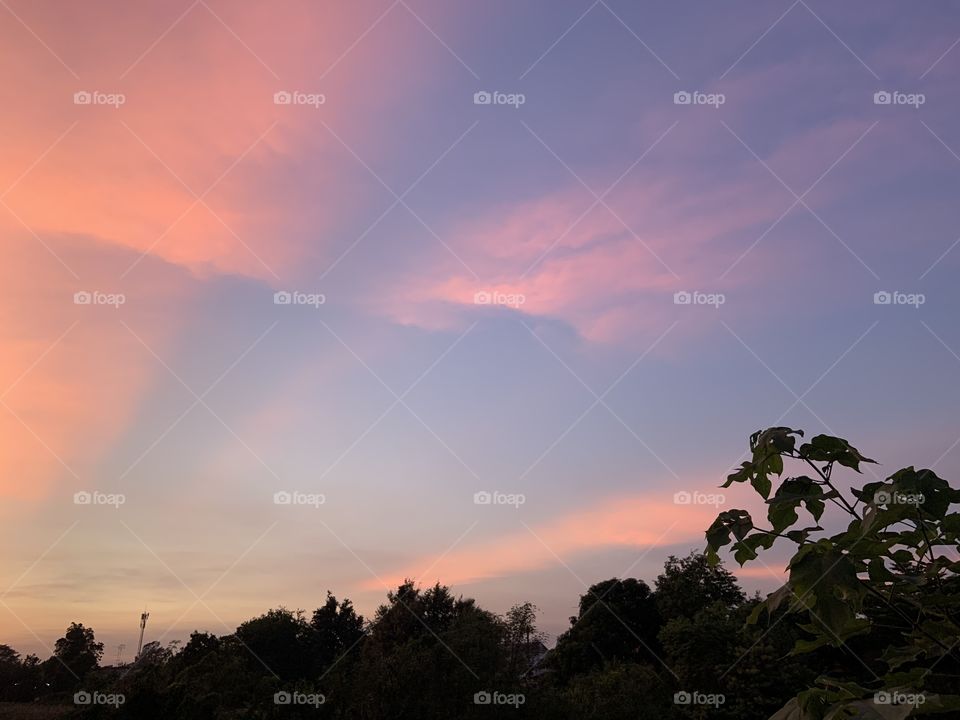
column 640, row 521
column 762, row 572
column 112, row 190
column 198, row 118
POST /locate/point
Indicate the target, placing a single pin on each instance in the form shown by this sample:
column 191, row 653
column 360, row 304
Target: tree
column 426, row 655
column 617, row 691
column 618, row 620
column 10, row 670
column 30, row 684
column 336, row 632
column 882, row 590
column 74, row 656
column 198, row 647
column 154, row 653
column 522, row 637
column 690, row 584
column 277, row 641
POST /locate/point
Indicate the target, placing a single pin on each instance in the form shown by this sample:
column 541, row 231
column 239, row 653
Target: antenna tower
column 143, row 625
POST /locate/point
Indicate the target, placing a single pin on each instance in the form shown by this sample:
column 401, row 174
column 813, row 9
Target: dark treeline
column 678, row 650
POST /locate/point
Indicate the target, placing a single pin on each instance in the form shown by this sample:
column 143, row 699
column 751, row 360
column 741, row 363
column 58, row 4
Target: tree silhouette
column 74, row 656
column 690, row 584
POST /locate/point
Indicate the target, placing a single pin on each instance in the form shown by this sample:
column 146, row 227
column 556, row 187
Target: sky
column 300, row 296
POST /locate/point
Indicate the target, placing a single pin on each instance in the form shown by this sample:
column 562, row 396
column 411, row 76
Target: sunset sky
column 579, row 202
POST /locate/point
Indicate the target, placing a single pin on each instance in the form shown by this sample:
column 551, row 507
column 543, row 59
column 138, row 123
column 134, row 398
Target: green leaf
column 826, row 448
column 826, row 582
column 791, row 493
column 896, row 655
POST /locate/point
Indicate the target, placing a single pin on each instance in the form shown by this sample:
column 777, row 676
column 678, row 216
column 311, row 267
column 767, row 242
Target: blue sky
column 784, row 198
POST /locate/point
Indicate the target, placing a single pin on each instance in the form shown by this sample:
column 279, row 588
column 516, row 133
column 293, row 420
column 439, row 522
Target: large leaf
column 826, row 448
column 782, row 511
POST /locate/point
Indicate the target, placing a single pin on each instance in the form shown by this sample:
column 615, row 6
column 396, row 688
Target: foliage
column 883, row 589
column 617, row 621
column 74, row 655
column 615, row 691
column 690, row 584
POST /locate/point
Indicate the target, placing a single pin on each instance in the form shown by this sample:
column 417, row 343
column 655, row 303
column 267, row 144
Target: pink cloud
column 111, row 190
column 591, row 272
column 639, row 521
column 199, row 115
column 610, row 272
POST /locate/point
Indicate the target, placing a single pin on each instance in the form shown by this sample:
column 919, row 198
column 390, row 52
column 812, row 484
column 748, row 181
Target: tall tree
column 277, row 642
column 617, row 621
column 690, row 584
column 522, row 637
column 74, row 656
column 336, row 631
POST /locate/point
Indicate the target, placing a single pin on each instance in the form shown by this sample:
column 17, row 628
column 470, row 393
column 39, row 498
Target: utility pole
column 143, row 625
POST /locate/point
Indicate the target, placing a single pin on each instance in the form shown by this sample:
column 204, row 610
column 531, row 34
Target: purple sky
column 570, row 253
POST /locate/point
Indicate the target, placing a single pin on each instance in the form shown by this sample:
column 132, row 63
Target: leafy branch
column 851, row 584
